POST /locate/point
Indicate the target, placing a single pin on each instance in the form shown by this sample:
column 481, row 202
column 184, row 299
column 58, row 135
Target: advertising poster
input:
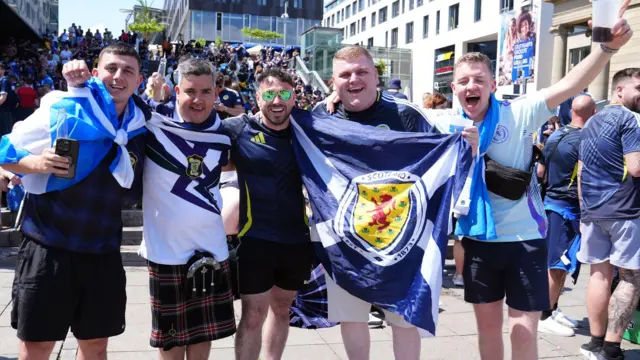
column 517, row 46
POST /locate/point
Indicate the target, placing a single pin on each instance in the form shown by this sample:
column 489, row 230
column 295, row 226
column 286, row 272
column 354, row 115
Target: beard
column 274, row 119
column 632, row 105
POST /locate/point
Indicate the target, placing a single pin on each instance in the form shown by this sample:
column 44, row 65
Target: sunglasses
column 269, row 95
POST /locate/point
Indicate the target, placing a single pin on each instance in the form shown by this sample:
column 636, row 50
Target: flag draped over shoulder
column 382, row 203
column 91, row 118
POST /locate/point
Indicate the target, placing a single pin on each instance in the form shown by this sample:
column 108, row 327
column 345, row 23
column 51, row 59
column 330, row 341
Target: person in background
column 435, row 101
column 558, row 170
column 394, row 89
column 6, row 119
column 29, row 100
column 230, row 101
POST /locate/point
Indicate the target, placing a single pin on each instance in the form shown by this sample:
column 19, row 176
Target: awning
column 12, row 25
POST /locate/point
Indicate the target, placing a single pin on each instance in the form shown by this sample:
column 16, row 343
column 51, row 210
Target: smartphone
column 68, row 148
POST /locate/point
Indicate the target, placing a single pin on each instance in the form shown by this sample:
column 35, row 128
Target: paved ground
column 456, row 337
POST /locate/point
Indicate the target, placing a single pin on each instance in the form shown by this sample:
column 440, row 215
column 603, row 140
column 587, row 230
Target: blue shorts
column 563, row 240
column 515, row 269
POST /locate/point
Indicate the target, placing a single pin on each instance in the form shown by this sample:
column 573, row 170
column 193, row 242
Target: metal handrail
column 309, row 77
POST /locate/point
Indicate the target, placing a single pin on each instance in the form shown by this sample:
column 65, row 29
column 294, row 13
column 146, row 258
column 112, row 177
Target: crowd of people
column 209, row 183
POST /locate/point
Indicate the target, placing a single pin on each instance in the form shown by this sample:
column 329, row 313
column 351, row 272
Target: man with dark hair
column 71, row 273
column 609, row 191
column 6, row 119
column 230, row 101
column 275, row 254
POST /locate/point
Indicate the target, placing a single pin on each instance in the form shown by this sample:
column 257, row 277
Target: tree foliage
column 259, row 34
column 201, row 41
column 381, row 66
column 144, row 22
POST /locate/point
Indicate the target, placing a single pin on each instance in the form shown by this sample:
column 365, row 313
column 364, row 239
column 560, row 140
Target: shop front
column 443, row 74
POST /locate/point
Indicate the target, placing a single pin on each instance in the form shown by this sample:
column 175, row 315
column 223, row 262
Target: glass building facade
column 209, row 25
column 40, row 15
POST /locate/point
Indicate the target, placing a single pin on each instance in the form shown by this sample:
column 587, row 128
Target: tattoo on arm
column 624, row 301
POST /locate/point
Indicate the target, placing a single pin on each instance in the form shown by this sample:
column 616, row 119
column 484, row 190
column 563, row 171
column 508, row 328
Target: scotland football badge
column 194, row 166
column 378, row 210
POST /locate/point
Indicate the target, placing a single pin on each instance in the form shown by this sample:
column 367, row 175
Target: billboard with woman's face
column 517, row 46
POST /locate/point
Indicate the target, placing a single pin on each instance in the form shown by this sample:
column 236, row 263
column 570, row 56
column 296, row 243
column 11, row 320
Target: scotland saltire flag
column 91, row 118
column 382, row 203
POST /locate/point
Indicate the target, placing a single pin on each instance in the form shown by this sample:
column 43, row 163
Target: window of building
column 395, row 9
column 370, row 42
column 219, row 21
column 454, row 15
column 477, row 11
column 506, row 5
column 354, row 7
column 297, row 4
column 425, row 27
column 577, row 55
column 342, row 15
column 438, row 22
column 394, row 37
column 333, row 20
column 348, row 11
column 363, row 24
column 353, row 29
column 403, row 4
column 262, row 2
column 386, row 39
column 408, row 36
column 411, row 3
column 382, row 15
column 419, row 3
column 373, row 19
column 360, row 5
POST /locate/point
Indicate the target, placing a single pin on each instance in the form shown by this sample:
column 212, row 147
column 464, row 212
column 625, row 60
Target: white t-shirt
column 65, row 55
column 523, row 219
column 176, row 220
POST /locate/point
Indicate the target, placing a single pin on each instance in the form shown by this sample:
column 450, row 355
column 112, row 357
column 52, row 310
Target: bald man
column 558, row 169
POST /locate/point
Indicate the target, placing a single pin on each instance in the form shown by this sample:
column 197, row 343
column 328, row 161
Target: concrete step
column 8, row 256
column 131, row 235
column 131, row 218
column 8, row 217
column 130, row 256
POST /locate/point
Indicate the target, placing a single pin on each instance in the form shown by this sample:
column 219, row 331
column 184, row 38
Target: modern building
column 572, row 43
column 27, row 18
column 440, row 31
column 209, row 19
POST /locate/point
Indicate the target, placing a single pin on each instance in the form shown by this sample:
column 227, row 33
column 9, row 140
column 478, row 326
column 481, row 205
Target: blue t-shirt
column 5, row 88
column 230, row 98
column 560, row 155
column 608, row 192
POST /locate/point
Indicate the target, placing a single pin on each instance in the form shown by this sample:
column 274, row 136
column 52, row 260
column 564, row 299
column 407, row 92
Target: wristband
column 607, row 49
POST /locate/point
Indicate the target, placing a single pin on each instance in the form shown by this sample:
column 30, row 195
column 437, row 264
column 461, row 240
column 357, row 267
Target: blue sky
column 92, row 14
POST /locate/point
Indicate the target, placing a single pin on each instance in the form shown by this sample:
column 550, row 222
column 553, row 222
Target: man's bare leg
column 598, row 294
column 356, row 339
column 406, row 343
column 199, row 351
column 623, row 303
column 489, row 319
column 523, row 329
column 277, row 326
column 95, row 349
column 40, row 350
column 249, row 335
column 556, row 284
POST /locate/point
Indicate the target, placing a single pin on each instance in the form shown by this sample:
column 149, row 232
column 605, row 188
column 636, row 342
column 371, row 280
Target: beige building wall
column 568, row 13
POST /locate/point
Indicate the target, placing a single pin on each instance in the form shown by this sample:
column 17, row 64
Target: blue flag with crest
column 382, row 203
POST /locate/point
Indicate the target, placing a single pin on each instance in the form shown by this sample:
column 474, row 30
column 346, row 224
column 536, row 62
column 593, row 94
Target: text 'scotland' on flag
column 382, row 203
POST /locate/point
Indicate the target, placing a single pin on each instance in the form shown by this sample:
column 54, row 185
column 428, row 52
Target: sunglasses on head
column 269, row 95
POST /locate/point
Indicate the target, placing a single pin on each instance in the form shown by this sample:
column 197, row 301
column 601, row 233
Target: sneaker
column 550, row 326
column 375, row 322
column 564, row 320
column 458, row 280
column 589, row 350
column 602, row 356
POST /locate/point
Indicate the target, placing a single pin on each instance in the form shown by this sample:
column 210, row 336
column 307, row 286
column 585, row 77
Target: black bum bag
column 507, row 182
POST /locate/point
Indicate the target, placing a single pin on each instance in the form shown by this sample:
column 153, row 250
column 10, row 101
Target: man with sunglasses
column 275, row 253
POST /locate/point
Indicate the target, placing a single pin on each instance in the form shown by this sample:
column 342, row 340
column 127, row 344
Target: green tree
column 144, row 22
column 261, row 34
column 219, row 42
column 201, row 41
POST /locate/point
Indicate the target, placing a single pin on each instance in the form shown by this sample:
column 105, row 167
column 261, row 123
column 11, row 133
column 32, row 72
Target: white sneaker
column 550, row 326
column 375, row 322
column 458, row 280
column 562, row 319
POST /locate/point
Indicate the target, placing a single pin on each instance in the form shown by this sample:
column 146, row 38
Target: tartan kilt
column 178, row 321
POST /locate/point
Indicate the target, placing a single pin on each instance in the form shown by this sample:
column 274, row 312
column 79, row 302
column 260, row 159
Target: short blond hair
column 352, row 52
column 474, row 58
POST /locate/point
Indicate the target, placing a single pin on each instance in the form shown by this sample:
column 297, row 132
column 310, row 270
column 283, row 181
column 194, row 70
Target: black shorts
column 517, row 269
column 56, row 289
column 264, row 264
column 181, row 321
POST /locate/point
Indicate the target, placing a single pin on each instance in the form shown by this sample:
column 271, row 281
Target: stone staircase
column 131, row 238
